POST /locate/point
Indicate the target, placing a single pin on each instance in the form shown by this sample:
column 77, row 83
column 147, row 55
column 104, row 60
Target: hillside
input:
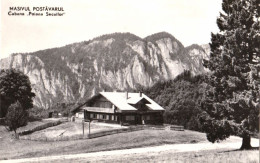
column 118, row 61
column 181, row 98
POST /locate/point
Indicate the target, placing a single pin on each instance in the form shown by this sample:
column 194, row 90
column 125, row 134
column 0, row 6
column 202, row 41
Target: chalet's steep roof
column 135, row 100
column 119, row 100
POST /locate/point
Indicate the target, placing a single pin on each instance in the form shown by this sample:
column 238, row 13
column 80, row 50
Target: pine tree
column 231, row 105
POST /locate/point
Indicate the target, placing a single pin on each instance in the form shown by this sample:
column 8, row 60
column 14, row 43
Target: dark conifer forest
column 181, row 98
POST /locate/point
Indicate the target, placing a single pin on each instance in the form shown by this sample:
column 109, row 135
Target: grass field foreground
column 26, row 148
column 212, row 156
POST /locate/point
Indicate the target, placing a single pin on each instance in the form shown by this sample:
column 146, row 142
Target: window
column 129, row 118
column 112, row 117
column 107, row 117
column 91, row 115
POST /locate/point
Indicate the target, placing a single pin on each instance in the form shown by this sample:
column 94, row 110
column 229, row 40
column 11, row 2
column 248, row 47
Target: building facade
column 122, row 108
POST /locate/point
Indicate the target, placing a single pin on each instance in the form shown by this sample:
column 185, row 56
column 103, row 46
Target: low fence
column 156, row 127
column 103, row 133
column 40, row 127
column 115, row 131
column 58, row 138
column 174, row 127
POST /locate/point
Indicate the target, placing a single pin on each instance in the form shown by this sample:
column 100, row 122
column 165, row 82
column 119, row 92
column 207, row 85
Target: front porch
column 125, row 118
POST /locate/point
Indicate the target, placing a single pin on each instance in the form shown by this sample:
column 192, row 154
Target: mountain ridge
column 117, row 61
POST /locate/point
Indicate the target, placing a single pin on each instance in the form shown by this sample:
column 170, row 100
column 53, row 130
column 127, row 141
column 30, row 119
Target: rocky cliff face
column 120, row 61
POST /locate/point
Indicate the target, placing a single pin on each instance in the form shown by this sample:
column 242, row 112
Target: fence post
column 89, row 127
column 83, row 126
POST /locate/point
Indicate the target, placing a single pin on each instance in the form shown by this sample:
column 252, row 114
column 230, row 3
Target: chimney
column 126, row 95
column 140, row 93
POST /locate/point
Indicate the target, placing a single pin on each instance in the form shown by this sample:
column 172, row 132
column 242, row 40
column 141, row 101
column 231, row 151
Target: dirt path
column 232, row 143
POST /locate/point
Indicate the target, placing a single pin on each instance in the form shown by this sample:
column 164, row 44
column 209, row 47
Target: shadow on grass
column 253, row 148
column 33, row 119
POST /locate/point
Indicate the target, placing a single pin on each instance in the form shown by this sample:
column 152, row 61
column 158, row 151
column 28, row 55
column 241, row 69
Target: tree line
column 181, row 98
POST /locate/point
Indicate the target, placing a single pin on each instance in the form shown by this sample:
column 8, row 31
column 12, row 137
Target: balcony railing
column 98, row 109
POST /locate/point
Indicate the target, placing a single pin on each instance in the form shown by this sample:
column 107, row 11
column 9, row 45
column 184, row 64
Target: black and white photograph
column 122, row 81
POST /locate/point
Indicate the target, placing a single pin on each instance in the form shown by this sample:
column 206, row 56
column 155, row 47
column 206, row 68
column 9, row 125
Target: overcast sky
column 190, row 21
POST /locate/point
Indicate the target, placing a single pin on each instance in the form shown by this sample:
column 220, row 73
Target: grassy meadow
column 16, row 149
column 211, row 156
column 27, row 148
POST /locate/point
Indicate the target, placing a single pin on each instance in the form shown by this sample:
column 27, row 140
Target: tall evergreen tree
column 231, row 105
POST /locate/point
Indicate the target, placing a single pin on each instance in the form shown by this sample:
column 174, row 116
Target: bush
column 16, row 117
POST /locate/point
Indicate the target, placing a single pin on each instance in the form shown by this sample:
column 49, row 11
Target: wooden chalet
column 121, row 108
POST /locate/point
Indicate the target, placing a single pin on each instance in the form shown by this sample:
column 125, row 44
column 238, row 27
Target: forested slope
column 181, row 98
